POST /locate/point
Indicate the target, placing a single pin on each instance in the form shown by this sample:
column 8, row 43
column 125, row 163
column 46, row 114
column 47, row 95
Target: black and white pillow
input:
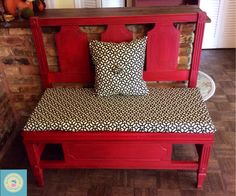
column 119, row 67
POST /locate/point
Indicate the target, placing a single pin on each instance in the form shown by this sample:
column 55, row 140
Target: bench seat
column 176, row 110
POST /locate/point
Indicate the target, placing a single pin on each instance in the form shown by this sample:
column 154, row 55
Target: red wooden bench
column 116, row 149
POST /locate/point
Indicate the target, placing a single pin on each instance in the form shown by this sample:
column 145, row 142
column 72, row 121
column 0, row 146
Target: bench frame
column 126, row 150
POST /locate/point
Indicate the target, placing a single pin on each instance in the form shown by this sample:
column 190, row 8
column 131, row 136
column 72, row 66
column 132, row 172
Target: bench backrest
column 162, row 46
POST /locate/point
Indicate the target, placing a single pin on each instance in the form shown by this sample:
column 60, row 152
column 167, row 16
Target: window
column 84, row 3
column 100, row 3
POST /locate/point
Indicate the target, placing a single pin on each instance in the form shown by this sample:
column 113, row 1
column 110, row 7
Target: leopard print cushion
column 119, row 67
column 176, row 110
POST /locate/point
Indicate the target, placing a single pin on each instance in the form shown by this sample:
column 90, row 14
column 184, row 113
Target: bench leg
column 204, row 154
column 34, row 159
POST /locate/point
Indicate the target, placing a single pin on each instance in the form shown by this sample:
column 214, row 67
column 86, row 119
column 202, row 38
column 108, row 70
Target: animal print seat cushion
column 178, row 110
column 119, row 67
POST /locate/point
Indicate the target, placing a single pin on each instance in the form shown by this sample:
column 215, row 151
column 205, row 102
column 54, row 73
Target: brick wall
column 20, row 88
column 20, row 69
column 7, row 119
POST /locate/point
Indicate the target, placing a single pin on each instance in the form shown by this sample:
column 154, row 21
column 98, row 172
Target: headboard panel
column 116, row 33
column 72, row 50
column 162, row 47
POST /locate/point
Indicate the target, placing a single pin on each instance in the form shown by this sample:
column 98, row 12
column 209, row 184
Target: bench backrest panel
column 161, row 54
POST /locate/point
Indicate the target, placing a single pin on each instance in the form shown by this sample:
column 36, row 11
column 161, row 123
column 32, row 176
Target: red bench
column 130, row 149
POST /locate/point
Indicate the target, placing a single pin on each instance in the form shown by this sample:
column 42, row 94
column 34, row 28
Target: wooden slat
column 117, row 33
column 127, row 11
column 171, row 75
column 197, row 47
column 96, row 163
column 73, row 50
column 163, row 47
column 58, row 136
column 116, row 20
column 40, row 51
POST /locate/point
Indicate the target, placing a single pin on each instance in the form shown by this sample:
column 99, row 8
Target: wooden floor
column 220, row 181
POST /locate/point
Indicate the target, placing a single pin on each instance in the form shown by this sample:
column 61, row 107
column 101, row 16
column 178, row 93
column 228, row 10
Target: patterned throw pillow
column 119, row 67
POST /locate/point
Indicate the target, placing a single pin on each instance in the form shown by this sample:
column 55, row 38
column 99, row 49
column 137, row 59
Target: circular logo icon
column 13, row 182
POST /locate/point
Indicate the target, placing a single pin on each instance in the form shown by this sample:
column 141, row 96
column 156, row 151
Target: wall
column 19, row 80
column 21, row 70
column 7, row 118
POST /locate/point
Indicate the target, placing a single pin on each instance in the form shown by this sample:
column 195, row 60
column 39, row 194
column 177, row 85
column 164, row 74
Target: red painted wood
column 138, row 151
column 197, row 49
column 34, row 159
column 203, row 164
column 72, row 46
column 165, row 75
column 82, row 77
column 126, row 164
column 60, row 136
column 117, row 149
column 117, row 33
column 41, row 148
column 118, row 20
column 40, row 51
column 162, row 47
column 73, row 51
